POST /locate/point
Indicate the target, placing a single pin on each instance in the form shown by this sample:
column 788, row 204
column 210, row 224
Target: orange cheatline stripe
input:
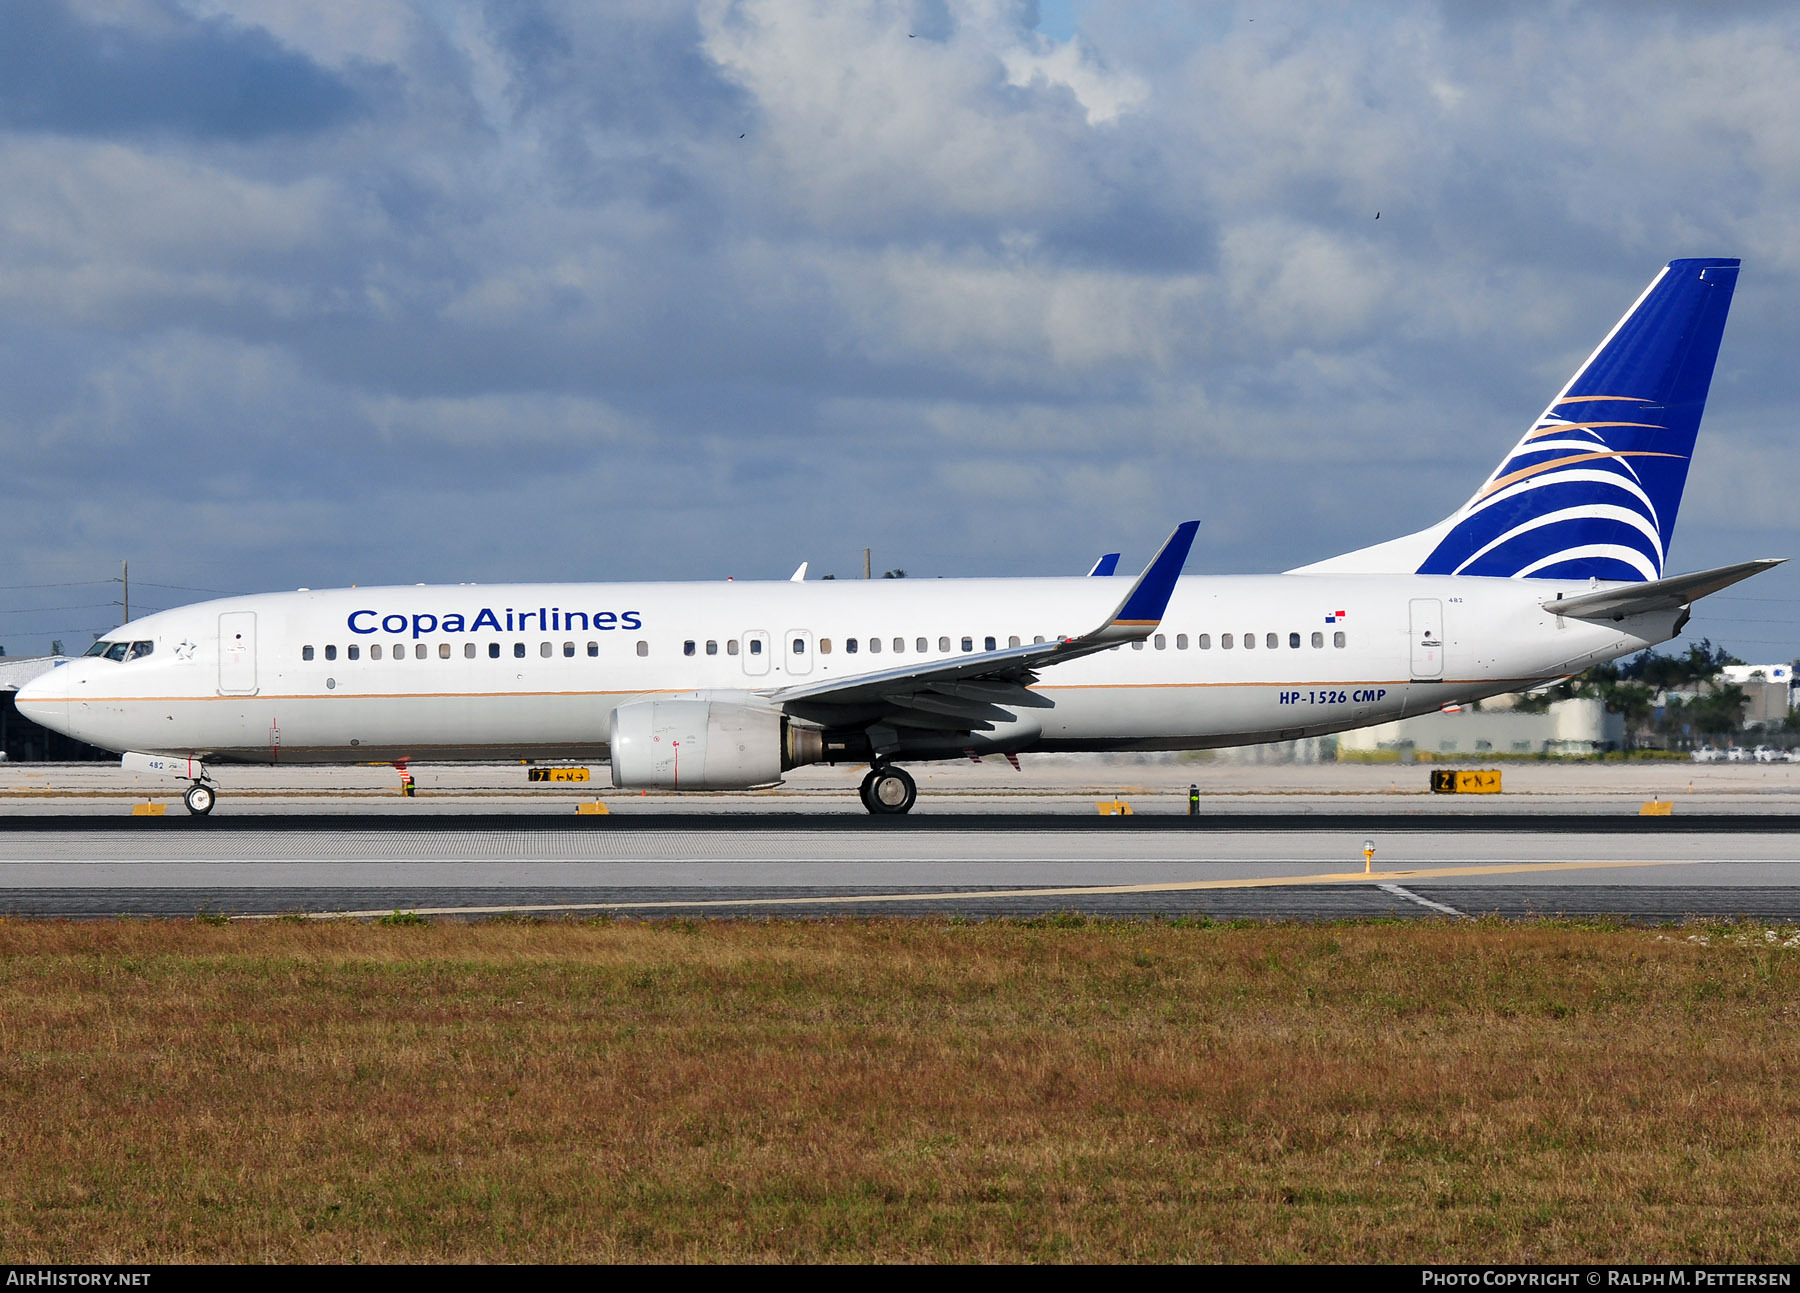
column 676, row 691
column 1527, row 472
column 1060, row 891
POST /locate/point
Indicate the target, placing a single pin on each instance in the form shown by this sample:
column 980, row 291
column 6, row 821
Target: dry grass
column 896, row 1090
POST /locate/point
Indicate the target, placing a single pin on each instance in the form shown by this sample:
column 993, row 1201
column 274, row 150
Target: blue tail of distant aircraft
column 1592, row 489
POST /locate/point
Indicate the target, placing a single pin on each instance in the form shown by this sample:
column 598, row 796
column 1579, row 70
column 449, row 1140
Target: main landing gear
column 888, row 790
column 199, row 799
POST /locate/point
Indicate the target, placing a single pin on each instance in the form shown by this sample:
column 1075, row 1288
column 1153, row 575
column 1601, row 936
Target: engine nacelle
column 705, row 745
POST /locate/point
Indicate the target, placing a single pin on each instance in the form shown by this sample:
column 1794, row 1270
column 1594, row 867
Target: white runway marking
column 1399, row 891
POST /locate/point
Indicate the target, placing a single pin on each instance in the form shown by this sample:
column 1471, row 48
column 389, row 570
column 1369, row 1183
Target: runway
column 800, row 865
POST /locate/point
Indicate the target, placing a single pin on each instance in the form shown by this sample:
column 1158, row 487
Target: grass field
column 898, row 1090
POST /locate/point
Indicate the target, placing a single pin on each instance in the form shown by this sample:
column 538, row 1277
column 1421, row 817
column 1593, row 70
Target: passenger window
column 443, row 650
column 712, row 647
column 593, row 649
column 546, row 650
column 968, row 644
column 330, row 653
column 1293, row 640
column 990, row 644
column 493, row 650
column 731, row 646
column 1204, row 641
column 849, row 646
column 1224, row 641
column 899, row 645
column 306, row 652
column 1162, row 643
column 468, row 650
column 1318, row 639
column 375, row 651
column 1337, row 639
column 875, row 645
column 353, row 652
column 518, row 650
column 420, row 651
column 687, row 648
column 921, row 645
column 943, row 644
column 568, row 650
column 644, row 648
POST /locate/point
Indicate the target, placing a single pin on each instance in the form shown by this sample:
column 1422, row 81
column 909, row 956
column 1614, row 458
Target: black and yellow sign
column 558, row 774
column 1466, row 783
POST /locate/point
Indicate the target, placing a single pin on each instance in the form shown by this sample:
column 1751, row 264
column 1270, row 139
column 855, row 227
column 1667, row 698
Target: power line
column 45, row 610
column 76, row 583
column 186, row 588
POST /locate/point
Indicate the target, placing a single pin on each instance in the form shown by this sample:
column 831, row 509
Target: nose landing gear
column 888, row 791
column 199, row 799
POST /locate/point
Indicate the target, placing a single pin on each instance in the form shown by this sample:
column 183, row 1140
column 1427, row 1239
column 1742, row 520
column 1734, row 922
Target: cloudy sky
column 299, row 294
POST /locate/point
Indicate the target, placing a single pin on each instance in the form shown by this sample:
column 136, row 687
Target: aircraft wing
column 1658, row 594
column 962, row 692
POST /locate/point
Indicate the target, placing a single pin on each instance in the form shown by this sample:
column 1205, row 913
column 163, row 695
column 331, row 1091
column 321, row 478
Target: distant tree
column 1630, row 688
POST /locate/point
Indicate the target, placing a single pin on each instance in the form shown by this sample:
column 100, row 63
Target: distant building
column 1579, row 726
column 1768, row 690
column 22, row 740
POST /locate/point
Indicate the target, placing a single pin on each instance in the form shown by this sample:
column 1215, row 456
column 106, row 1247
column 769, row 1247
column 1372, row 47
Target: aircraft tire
column 889, row 792
column 199, row 799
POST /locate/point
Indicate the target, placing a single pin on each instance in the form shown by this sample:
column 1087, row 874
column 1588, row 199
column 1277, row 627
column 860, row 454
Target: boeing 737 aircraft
column 1554, row 564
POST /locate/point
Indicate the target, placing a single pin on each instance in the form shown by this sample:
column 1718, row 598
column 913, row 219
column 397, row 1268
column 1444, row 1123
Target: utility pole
column 865, row 563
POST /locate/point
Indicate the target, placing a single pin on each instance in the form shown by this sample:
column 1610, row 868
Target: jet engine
column 705, row 745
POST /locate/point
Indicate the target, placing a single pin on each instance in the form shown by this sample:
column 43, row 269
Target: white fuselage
column 535, row 670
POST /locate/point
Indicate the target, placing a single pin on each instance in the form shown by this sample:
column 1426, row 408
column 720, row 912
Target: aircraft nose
column 41, row 701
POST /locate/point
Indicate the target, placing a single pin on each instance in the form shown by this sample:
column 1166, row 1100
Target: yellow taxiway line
column 1061, row 891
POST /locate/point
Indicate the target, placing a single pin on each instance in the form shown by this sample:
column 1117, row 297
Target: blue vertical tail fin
column 1593, row 487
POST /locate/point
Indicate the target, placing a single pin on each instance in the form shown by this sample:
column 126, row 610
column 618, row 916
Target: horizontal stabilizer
column 1658, row 594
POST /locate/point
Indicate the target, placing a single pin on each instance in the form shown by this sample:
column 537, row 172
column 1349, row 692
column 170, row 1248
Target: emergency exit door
column 1427, row 638
column 237, row 653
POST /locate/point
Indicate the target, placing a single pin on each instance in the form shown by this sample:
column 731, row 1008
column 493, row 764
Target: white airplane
column 1554, row 564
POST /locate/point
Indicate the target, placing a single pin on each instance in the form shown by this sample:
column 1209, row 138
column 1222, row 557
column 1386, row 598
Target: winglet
column 1105, row 566
column 1142, row 609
